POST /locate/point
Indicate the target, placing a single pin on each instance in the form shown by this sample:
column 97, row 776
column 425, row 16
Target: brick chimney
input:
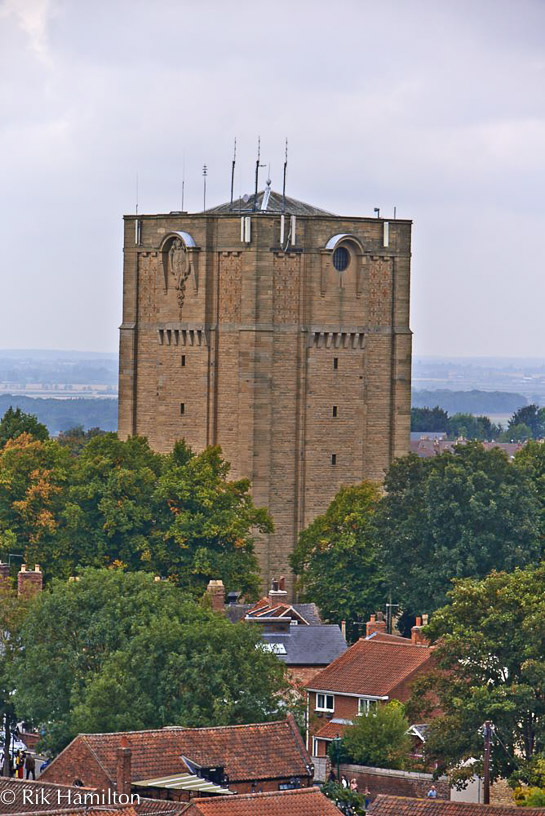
column 29, row 582
column 216, row 592
column 376, row 623
column 417, row 636
column 123, row 777
column 277, row 592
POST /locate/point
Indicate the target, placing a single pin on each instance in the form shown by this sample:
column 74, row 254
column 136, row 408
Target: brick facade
column 251, row 345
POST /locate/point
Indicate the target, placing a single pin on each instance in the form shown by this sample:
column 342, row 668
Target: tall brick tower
column 278, row 331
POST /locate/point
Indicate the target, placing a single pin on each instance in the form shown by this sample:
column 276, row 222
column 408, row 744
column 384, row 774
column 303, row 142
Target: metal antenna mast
column 136, row 192
column 257, row 166
column 233, row 171
column 284, row 182
column 204, row 175
column 183, row 181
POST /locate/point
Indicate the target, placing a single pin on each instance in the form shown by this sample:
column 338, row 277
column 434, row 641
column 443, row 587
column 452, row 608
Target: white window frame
column 366, row 705
column 324, row 706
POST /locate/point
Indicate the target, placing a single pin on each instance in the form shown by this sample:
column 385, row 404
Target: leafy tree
column 33, row 476
column 209, row 525
column 530, row 415
column 116, row 650
column 468, row 426
column 490, row 666
column 429, row 419
column 516, row 433
column 347, row 801
column 77, row 437
column 459, row 514
column 379, row 738
column 12, row 612
column 16, row 422
column 336, row 558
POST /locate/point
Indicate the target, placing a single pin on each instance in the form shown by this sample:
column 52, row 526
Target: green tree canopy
column 15, row 422
column 532, row 416
column 472, row 427
column 429, row 419
column 379, row 738
column 115, row 650
column 459, row 514
column 118, row 502
column 336, row 559
column 490, row 659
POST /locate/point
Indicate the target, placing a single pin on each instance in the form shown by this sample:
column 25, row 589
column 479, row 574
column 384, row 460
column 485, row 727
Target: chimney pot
column 29, row 582
column 418, row 621
column 375, row 624
column 216, row 592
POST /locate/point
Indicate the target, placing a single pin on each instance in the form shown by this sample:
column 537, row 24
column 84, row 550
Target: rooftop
column 372, row 667
column 300, row 802
column 259, row 751
column 404, row 806
column 267, row 201
column 307, row 645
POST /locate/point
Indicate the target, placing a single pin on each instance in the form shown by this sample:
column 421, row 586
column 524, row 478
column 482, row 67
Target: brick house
column 376, row 669
column 177, row 763
column 302, row 802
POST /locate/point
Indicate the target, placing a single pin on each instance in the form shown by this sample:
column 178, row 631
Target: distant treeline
column 58, row 372
column 60, row 415
column 469, row 402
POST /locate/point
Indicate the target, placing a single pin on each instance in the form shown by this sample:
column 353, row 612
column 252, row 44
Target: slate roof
column 275, row 205
column 308, row 611
column 300, row 802
column 404, row 806
column 246, row 752
column 54, row 800
column 308, row 645
column 372, row 667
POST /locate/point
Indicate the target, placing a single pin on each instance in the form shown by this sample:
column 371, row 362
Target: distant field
column 470, row 402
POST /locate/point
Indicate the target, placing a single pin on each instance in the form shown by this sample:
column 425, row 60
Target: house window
column 334, row 411
column 333, row 458
column 182, row 408
column 366, row 706
column 325, row 702
column 335, row 363
column 183, row 360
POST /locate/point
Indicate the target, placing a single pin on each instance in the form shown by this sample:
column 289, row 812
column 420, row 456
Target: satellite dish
column 245, row 198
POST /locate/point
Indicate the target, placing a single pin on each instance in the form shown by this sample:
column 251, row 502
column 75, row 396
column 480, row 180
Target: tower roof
column 274, row 204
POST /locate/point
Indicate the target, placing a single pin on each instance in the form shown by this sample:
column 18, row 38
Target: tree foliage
column 118, row 502
column 490, row 666
column 379, row 738
column 459, row 514
column 15, row 422
column 336, row 559
column 115, row 650
column 530, row 416
column 429, row 419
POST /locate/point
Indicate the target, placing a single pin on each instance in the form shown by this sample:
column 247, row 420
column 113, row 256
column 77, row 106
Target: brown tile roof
column 331, row 730
column 300, row 802
column 35, row 797
column 404, row 806
column 374, row 667
column 259, row 751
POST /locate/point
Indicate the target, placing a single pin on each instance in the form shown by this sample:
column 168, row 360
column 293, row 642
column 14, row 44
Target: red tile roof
column 374, row 667
column 269, row 750
column 300, row 802
column 36, row 797
column 331, row 730
column 403, row 806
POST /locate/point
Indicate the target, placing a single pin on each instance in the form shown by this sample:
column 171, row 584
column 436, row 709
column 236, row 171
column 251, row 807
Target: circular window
column 341, row 258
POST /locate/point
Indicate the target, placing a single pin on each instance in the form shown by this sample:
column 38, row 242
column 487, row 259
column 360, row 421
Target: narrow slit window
column 182, row 408
column 333, row 458
column 183, row 360
column 335, row 363
column 334, row 411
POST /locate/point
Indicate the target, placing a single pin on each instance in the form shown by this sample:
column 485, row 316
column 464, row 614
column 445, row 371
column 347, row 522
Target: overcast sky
column 437, row 108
